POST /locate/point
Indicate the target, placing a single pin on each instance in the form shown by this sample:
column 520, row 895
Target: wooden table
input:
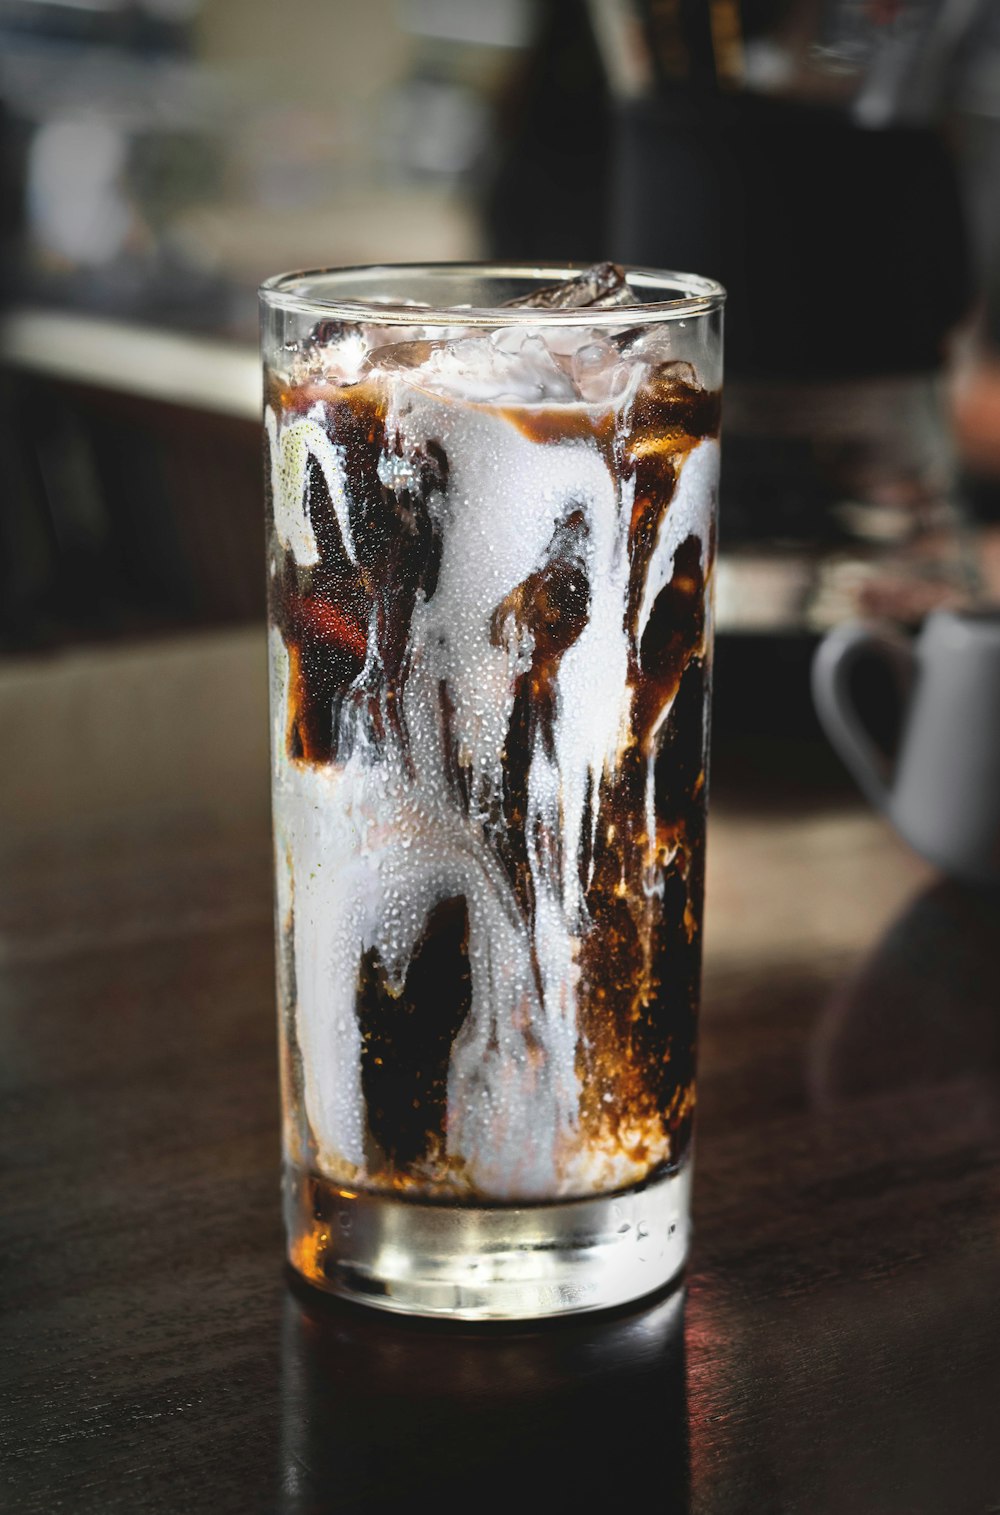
column 838, row 1347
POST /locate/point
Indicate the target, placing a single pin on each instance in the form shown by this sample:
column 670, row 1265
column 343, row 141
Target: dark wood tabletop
column 836, row 1347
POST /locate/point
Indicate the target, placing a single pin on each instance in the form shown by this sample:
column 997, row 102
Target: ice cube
column 511, row 367
column 337, row 356
column 599, row 374
column 598, row 288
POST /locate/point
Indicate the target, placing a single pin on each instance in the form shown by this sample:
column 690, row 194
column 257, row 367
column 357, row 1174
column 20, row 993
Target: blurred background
column 835, row 162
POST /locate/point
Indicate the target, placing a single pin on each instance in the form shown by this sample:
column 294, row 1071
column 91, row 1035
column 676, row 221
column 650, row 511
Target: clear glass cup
column 491, row 538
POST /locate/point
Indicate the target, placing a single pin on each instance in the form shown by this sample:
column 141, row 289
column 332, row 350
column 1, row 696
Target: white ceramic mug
column 942, row 789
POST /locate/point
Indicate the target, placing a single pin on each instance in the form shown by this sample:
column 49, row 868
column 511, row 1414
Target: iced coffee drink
column 491, row 538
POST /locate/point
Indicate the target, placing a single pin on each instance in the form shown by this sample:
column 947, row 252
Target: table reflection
column 378, row 1409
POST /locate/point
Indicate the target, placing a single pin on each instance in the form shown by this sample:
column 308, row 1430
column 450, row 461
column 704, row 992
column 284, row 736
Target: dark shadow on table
column 843, row 1337
column 380, row 1412
column 923, row 1009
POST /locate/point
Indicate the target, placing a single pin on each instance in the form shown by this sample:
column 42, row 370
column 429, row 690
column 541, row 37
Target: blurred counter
column 131, row 458
column 144, row 362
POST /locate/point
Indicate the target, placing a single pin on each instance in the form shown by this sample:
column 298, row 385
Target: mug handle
column 835, row 660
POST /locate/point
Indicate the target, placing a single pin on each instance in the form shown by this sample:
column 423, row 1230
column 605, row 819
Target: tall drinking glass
column 491, row 517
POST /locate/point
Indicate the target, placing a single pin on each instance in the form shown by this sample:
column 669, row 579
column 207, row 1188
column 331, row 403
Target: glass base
column 497, row 1263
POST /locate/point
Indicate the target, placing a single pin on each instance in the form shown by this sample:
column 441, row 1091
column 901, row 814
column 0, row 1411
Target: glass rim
column 698, row 296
